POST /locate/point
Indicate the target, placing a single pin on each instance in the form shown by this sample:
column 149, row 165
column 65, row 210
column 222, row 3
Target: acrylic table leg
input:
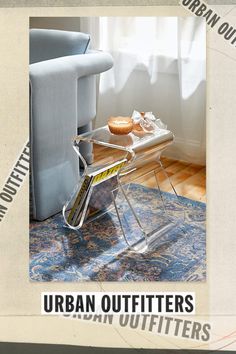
column 141, row 235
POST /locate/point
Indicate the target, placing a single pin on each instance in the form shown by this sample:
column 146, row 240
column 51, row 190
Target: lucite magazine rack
column 128, row 176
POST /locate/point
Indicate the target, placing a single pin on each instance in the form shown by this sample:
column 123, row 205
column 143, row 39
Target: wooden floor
column 188, row 179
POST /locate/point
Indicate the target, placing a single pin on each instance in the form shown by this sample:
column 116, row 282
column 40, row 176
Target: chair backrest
column 48, row 44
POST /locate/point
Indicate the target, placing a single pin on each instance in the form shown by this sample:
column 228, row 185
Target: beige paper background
column 20, row 318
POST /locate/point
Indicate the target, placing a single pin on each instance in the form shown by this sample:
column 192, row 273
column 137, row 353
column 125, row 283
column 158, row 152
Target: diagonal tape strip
column 201, row 9
column 14, row 180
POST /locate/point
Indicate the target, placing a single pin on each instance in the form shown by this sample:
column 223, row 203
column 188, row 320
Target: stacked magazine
column 95, row 193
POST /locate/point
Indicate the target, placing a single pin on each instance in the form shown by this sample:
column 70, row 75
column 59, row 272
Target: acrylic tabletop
column 132, row 142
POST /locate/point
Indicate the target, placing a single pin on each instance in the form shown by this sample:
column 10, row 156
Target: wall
column 60, row 23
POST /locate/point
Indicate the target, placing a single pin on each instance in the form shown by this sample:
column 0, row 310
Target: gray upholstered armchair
column 63, row 102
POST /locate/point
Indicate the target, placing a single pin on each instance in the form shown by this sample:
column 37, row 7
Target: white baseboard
column 187, row 150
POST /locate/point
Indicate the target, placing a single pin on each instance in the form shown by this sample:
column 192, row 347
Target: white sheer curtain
column 159, row 67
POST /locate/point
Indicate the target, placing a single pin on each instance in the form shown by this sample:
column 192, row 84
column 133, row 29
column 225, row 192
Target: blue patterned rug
column 98, row 251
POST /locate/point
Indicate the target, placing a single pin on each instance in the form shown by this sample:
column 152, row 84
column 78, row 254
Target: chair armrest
column 63, row 98
column 77, row 66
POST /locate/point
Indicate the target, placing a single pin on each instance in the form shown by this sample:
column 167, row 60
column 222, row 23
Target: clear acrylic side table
column 140, row 191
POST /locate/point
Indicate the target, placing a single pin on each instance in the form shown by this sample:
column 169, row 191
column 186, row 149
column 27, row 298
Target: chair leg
column 86, row 149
